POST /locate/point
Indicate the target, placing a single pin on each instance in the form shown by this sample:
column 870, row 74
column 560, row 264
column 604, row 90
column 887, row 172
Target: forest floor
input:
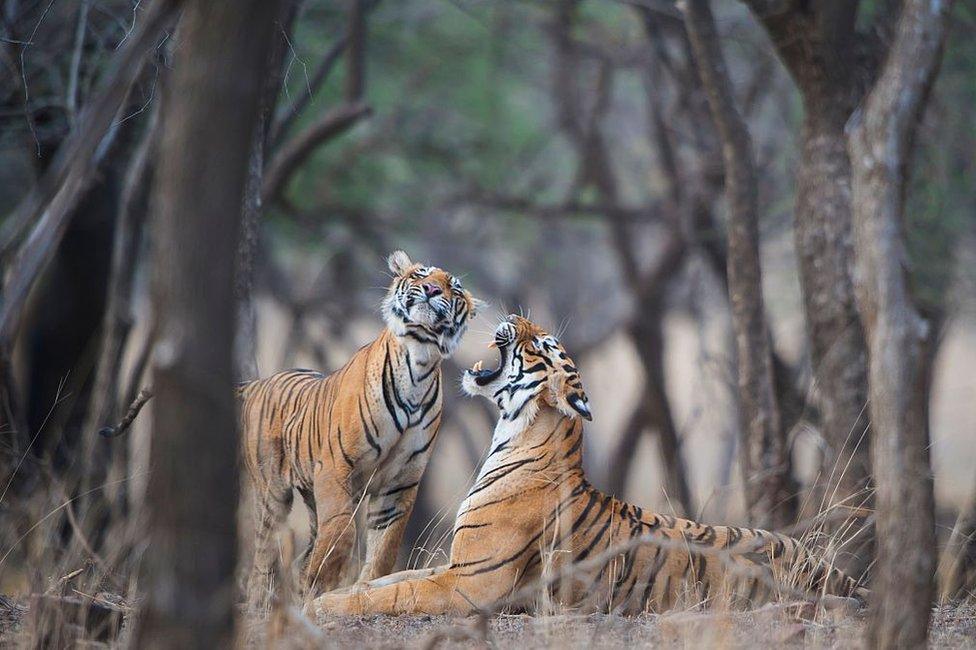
column 770, row 626
column 952, row 627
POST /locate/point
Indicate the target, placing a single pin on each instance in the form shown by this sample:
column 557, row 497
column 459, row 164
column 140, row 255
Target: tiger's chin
column 433, row 326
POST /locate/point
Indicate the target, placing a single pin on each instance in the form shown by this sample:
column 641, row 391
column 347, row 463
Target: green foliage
column 461, row 94
column 454, row 106
column 941, row 207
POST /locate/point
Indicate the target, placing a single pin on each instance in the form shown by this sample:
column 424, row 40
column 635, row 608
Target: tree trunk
column 822, row 52
column 210, row 111
column 765, row 453
column 880, row 147
column 245, row 343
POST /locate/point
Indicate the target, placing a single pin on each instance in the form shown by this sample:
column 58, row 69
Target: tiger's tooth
column 492, row 345
column 477, row 366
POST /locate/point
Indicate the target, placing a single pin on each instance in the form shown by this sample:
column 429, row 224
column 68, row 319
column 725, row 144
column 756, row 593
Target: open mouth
column 483, row 376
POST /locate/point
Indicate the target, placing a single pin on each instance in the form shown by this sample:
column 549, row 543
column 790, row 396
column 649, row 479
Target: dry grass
column 98, row 588
column 68, row 595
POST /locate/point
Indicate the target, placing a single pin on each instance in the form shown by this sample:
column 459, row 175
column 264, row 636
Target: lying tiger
column 366, row 429
column 531, row 520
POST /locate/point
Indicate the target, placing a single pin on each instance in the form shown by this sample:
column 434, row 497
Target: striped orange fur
column 367, row 429
column 531, row 514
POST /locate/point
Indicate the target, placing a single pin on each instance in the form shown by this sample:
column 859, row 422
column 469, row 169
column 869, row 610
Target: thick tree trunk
column 823, row 53
column 210, row 111
column 837, row 347
column 880, row 147
column 770, row 490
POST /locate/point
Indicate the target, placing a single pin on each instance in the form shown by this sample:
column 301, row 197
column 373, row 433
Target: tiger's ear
column 567, row 397
column 580, row 404
column 399, row 262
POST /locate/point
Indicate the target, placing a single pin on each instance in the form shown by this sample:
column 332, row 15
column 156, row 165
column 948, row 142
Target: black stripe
column 386, row 393
column 342, row 449
column 369, row 435
column 402, row 488
column 507, row 560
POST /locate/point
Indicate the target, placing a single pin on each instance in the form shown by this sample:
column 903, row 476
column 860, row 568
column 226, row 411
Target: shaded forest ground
column 772, row 626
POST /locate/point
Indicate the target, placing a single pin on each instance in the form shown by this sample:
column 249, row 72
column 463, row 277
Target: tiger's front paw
column 348, row 604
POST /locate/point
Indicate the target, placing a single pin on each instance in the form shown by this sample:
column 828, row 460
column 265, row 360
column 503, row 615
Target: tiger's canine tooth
column 477, row 366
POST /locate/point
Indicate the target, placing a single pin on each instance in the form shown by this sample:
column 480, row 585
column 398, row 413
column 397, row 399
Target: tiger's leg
column 272, row 505
column 386, row 521
column 393, row 578
column 335, row 533
column 301, row 562
column 447, row 592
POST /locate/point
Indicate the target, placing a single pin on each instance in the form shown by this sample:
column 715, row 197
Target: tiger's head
column 533, row 368
column 427, row 304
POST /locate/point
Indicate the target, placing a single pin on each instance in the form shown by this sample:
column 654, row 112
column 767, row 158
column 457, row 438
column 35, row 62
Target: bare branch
column 356, row 58
column 80, row 30
column 288, row 116
column 293, row 153
column 130, row 415
column 50, row 205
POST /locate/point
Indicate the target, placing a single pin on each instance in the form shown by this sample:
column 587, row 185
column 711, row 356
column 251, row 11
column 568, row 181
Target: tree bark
column 245, row 343
column 210, row 112
column 828, row 62
column 880, row 148
column 765, row 453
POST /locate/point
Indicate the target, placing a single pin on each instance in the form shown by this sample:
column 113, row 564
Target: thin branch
column 288, row 116
column 130, row 415
column 81, row 29
column 297, row 150
column 571, row 209
column 356, row 57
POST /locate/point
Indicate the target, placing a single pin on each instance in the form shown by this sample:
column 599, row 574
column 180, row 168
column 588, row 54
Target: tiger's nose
column 431, row 290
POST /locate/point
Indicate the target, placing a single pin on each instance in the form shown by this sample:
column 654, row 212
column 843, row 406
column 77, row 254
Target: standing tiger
column 531, row 515
column 367, row 429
